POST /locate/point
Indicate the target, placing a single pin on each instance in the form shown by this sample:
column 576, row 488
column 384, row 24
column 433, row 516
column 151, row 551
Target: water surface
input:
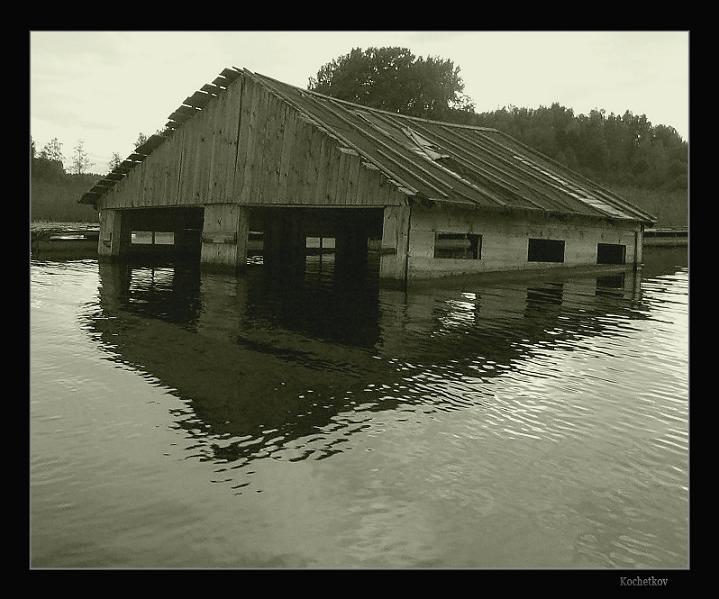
column 188, row 419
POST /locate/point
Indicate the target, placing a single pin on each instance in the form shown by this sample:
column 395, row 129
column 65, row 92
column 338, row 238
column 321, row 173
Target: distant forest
column 645, row 164
column 54, row 193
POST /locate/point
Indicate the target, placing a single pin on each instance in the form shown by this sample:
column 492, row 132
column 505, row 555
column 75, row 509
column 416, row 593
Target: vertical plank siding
column 250, row 147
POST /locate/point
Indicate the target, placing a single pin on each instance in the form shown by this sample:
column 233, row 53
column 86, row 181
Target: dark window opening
column 458, row 245
column 545, row 250
column 611, row 253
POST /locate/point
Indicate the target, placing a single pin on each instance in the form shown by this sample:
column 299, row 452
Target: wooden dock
column 64, row 242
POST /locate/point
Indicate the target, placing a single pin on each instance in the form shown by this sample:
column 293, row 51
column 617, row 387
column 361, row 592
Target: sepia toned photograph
column 360, row 300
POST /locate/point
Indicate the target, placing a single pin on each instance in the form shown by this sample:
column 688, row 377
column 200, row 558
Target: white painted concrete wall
column 505, row 239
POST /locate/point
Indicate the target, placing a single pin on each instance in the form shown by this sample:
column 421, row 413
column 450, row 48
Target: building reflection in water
column 262, row 361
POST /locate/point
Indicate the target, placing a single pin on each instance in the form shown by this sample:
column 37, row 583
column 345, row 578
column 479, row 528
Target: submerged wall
column 505, row 237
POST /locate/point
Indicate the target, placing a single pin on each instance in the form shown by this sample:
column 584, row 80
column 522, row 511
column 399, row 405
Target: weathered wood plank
column 310, row 170
column 168, row 157
column 299, row 163
column 264, row 123
column 341, row 189
column 332, row 174
column 253, row 141
column 323, row 159
column 188, row 160
column 215, row 181
column 199, row 188
column 174, row 188
column 352, row 197
column 288, row 143
column 270, row 156
column 249, row 100
column 272, row 162
column 361, row 184
column 150, row 167
column 233, row 101
column 214, row 189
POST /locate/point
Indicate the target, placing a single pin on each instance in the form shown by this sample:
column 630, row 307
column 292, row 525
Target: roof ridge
column 372, row 109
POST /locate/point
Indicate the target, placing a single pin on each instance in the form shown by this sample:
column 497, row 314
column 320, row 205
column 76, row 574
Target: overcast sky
column 106, row 87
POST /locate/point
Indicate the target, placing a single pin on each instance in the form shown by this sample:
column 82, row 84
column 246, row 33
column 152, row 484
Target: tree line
column 51, row 158
column 55, row 190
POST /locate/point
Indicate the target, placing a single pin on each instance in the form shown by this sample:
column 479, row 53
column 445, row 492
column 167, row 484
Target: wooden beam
column 180, row 118
column 230, row 74
column 198, row 99
column 209, row 88
column 183, row 113
column 152, row 142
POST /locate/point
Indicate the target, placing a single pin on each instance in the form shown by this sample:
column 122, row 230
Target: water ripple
column 549, row 418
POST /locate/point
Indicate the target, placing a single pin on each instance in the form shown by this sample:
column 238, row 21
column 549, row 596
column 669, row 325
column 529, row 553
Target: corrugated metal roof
column 438, row 161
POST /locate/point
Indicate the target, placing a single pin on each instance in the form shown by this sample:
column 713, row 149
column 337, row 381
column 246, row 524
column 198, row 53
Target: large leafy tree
column 396, row 80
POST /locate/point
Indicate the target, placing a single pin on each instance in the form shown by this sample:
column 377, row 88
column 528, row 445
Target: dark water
column 187, row 419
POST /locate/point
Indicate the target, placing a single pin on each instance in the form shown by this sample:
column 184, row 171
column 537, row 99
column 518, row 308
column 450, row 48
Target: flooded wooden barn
column 248, row 155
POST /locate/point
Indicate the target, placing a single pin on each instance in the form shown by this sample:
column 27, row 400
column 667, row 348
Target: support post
column 638, row 246
column 394, row 258
column 225, row 231
column 110, row 241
